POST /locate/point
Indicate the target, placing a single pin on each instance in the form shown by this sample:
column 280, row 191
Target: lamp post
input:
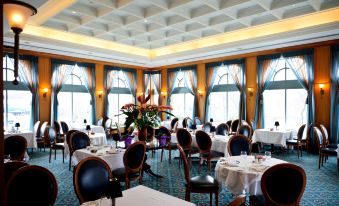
column 17, row 13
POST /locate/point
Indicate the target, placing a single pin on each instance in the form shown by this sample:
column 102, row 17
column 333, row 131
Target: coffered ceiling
column 154, row 30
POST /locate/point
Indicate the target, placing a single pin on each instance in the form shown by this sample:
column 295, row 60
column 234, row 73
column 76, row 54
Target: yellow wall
column 321, row 65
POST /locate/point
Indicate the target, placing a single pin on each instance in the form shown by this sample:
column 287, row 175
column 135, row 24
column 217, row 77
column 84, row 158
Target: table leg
column 147, row 168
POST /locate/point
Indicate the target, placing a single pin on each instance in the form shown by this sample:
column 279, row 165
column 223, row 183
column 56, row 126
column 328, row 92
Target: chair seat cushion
column 59, row 146
column 257, row 200
column 121, row 174
column 172, row 146
column 329, row 151
column 204, row 182
column 333, row 146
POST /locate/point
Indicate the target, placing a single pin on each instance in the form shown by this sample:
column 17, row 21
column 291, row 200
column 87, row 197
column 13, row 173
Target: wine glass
column 8, row 157
column 268, row 155
column 243, row 154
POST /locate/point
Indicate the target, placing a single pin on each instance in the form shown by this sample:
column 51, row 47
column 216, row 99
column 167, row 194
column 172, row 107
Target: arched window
column 73, row 94
column 119, row 96
column 182, row 100
column 17, row 99
column 285, row 99
column 224, row 98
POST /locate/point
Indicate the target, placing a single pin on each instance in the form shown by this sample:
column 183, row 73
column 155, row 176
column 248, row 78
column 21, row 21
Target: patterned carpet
column 322, row 185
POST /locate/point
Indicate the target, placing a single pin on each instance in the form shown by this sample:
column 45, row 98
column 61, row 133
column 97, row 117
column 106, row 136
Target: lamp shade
column 17, row 124
column 85, row 121
column 276, row 123
column 17, row 13
column 88, row 127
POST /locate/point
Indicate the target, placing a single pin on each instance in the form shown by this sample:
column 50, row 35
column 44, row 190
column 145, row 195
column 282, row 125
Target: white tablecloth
column 31, row 140
column 141, row 196
column 97, row 139
column 94, row 128
column 114, row 161
column 239, row 174
column 219, row 142
column 273, row 137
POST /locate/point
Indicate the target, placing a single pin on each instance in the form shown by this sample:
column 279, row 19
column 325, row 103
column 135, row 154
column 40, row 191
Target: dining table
column 242, row 174
column 96, row 139
column 28, row 135
column 275, row 137
column 112, row 156
column 94, row 128
column 141, row 196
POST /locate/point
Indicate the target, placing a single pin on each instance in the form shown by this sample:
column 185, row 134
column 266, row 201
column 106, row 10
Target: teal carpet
column 322, row 185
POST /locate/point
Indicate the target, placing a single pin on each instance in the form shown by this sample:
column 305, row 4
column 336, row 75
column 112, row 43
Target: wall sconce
column 17, row 14
column 100, row 94
column 322, row 91
column 250, row 91
column 44, row 92
column 164, row 94
column 200, row 92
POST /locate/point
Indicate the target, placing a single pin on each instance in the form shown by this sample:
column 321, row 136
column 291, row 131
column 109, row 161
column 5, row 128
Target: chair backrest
column 207, row 127
column 15, row 146
column 301, row 132
column 245, row 130
column 64, row 127
column 222, row 129
column 57, row 127
column 309, row 133
column 91, row 179
column 186, row 169
column 235, row 125
column 174, row 120
column 134, row 157
column 11, row 167
column 36, row 132
column 253, row 125
column 184, row 138
column 229, row 123
column 319, row 138
column 204, row 142
column 197, row 121
column 79, row 140
column 238, row 143
column 31, row 185
column 283, row 184
column 108, row 124
column 68, row 139
column 43, row 128
column 150, row 134
column 244, row 122
column 100, row 121
column 163, row 130
column 189, row 122
column 325, row 134
column 50, row 135
column 184, row 123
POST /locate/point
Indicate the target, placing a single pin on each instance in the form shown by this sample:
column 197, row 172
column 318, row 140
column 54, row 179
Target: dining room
column 170, row 103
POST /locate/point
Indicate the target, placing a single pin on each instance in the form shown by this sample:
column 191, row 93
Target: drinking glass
column 7, row 157
column 268, row 155
column 243, row 154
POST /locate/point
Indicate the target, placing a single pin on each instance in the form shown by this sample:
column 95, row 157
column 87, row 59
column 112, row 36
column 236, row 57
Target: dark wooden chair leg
column 211, row 197
column 63, row 156
column 216, row 198
column 162, row 154
column 70, row 162
column 169, row 156
column 187, row 196
column 319, row 161
column 54, row 154
column 50, row 154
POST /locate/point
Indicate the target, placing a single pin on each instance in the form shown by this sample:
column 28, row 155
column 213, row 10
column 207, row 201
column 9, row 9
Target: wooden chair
column 189, row 123
column 222, row 129
column 309, row 132
column 70, row 150
column 50, row 139
column 133, row 160
column 204, row 145
column 207, row 127
column 235, row 125
column 173, row 122
column 31, row 185
column 59, row 133
column 41, row 140
column 197, row 121
column 245, row 130
column 91, row 179
column 36, row 131
column 238, row 143
column 16, row 147
column 185, row 141
column 170, row 145
column 64, row 127
column 229, row 123
column 100, row 121
column 198, row 184
column 323, row 150
column 281, row 184
column 11, row 167
column 326, row 137
column 298, row 143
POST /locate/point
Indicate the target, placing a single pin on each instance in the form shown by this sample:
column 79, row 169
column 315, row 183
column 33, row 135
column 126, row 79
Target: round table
column 241, row 174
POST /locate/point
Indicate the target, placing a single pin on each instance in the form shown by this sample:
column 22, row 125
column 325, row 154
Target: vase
column 128, row 141
column 142, row 134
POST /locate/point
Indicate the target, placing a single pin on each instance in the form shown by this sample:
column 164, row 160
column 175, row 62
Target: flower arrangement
column 144, row 115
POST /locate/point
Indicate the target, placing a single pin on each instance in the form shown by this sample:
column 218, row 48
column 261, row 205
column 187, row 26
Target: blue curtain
column 334, row 137
column 301, row 62
column 211, row 73
column 266, row 68
column 29, row 76
column 190, row 77
column 89, row 77
column 61, row 70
